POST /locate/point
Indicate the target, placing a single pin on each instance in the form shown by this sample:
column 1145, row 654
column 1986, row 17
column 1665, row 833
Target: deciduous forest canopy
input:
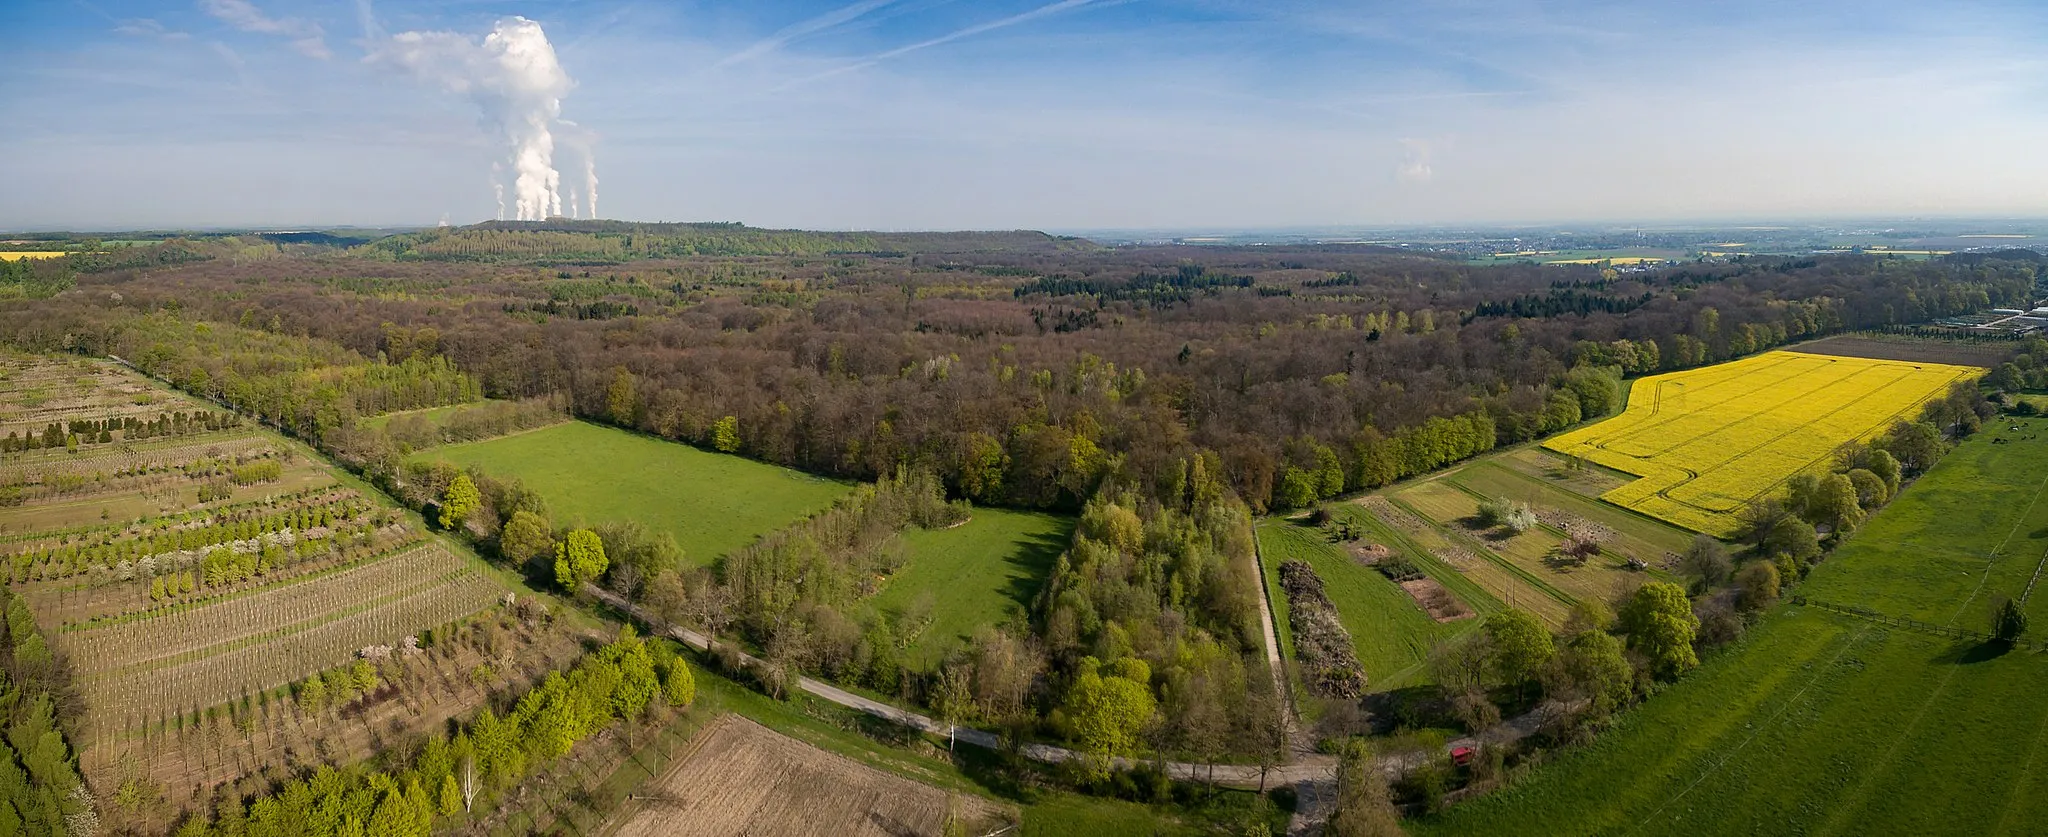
column 1021, row 368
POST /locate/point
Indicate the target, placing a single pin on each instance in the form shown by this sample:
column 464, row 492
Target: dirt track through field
column 741, row 778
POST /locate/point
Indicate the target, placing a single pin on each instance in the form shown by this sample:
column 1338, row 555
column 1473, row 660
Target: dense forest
column 1022, row 378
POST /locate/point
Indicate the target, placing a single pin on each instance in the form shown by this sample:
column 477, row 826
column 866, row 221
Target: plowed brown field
column 744, row 779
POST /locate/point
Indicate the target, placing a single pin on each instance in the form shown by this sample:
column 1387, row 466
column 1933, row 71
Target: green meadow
column 712, row 503
column 983, row 572
column 1390, row 632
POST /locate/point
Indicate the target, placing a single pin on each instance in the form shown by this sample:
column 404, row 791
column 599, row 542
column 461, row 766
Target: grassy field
column 980, row 573
column 1815, row 724
column 712, row 503
column 1390, row 632
column 1709, row 441
column 1820, row 723
column 1976, row 528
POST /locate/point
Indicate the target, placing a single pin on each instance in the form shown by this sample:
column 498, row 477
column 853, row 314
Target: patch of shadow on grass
column 1034, row 557
column 1971, row 653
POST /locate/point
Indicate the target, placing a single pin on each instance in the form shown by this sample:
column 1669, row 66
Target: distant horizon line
column 1174, row 230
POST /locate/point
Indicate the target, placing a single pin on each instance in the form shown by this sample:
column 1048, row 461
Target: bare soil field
column 1434, row 599
column 1908, row 349
column 743, row 779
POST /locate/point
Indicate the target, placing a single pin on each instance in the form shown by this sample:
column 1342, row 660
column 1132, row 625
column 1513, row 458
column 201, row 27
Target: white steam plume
column 514, row 77
column 578, row 141
column 590, row 182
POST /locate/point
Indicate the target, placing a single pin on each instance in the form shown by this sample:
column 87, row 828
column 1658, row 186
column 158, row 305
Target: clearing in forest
column 743, row 779
column 711, row 502
column 1707, row 442
column 1390, row 631
column 982, row 572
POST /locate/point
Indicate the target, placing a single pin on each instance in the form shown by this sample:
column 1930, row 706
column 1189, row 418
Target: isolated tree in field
column 459, row 501
column 2009, row 624
column 1707, row 560
column 678, row 686
column 1521, row 645
column 1365, row 804
column 1108, row 709
column 579, row 559
column 725, row 434
column 1660, row 624
column 1759, row 582
column 525, row 537
column 1836, row 504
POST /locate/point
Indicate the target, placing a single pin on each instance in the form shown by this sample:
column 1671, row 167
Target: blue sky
column 1042, row 114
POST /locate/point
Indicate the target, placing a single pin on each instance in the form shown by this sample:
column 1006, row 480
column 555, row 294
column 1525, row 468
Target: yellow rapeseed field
column 1708, row 441
column 8, row 256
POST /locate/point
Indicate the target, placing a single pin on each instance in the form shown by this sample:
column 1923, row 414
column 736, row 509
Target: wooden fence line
column 1901, row 621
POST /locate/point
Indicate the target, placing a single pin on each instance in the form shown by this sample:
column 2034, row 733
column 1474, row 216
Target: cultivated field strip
column 742, row 779
column 165, row 638
column 39, row 467
column 139, row 695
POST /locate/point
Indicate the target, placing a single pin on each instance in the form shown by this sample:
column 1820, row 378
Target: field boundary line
column 1906, row 622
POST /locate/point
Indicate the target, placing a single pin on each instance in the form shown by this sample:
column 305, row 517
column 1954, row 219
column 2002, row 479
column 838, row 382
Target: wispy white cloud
column 980, row 28
column 794, row 31
column 305, row 36
column 143, row 27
